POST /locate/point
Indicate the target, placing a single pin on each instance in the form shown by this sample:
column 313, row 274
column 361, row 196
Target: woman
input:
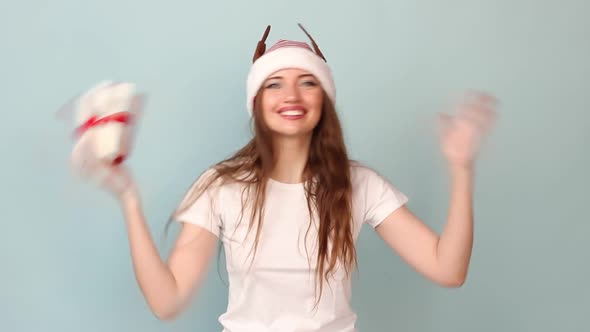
column 288, row 208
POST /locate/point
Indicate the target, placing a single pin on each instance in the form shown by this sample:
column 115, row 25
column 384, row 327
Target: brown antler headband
column 315, row 46
column 261, row 45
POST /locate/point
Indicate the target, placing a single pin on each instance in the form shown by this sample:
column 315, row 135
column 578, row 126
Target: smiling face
column 291, row 102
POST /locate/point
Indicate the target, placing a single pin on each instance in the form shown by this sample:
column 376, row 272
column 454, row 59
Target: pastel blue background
column 64, row 250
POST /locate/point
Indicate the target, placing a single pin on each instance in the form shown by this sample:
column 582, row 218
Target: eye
column 272, row 85
column 309, row 83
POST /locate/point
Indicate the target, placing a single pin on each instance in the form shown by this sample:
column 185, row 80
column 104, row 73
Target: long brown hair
column 327, row 187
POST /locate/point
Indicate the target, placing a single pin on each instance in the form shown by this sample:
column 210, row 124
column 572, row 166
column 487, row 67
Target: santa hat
column 287, row 54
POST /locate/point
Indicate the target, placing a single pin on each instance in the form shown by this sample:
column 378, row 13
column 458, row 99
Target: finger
column 479, row 115
column 480, row 98
column 478, row 101
column 445, row 122
column 119, row 179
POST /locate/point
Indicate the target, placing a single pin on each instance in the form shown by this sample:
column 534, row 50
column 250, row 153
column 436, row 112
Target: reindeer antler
column 261, row 46
column 315, row 45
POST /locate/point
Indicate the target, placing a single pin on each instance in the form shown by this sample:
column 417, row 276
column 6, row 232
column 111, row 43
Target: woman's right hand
column 118, row 181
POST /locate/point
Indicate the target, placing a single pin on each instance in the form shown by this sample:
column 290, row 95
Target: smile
column 292, row 112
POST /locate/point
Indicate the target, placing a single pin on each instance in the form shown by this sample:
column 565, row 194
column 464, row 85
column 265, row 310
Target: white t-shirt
column 277, row 291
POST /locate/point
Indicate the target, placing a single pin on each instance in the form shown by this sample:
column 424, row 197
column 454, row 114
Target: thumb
column 445, row 122
column 117, row 179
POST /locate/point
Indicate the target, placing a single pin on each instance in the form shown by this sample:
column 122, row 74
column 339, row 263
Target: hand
column 118, row 180
column 461, row 135
column 115, row 179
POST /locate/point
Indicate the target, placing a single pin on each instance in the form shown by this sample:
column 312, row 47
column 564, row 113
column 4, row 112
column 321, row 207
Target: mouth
column 292, row 112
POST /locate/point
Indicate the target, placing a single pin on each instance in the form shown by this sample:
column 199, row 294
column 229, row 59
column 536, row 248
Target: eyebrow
column 281, row 77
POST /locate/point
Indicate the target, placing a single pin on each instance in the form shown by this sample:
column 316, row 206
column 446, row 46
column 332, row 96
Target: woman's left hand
column 461, row 134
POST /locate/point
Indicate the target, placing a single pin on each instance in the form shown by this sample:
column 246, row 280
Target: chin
column 292, row 128
column 292, row 133
column 302, row 129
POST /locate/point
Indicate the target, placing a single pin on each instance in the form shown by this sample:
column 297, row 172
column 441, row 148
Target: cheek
column 315, row 102
column 266, row 106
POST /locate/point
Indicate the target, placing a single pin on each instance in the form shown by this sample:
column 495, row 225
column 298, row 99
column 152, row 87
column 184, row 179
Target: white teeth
column 292, row 113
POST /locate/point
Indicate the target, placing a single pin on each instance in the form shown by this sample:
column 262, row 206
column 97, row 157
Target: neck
column 291, row 157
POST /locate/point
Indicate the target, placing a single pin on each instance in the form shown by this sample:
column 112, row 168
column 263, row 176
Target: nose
column 292, row 93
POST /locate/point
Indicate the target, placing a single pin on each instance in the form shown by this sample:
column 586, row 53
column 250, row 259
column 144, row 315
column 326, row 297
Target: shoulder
column 209, row 185
column 209, row 177
column 222, row 174
column 361, row 174
column 210, row 181
column 374, row 195
column 368, row 182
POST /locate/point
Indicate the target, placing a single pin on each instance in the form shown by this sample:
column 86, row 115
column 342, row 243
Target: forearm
column 455, row 243
column 155, row 279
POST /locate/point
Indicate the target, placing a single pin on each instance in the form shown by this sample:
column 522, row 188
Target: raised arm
column 167, row 285
column 445, row 258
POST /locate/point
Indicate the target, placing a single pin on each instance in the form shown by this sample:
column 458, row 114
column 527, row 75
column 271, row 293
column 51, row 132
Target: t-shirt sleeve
column 381, row 198
column 201, row 209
